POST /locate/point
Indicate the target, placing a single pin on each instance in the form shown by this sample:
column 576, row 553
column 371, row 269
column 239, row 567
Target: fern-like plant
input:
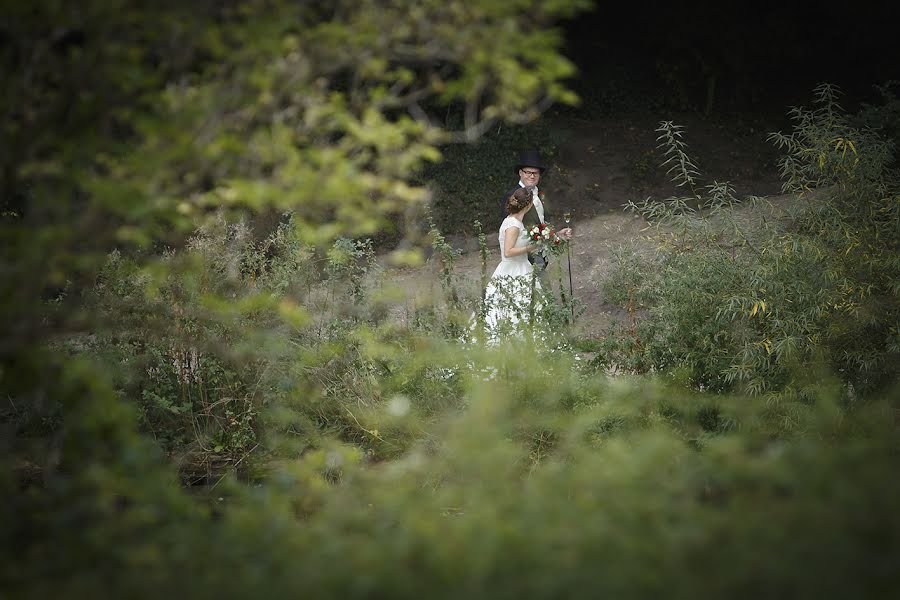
column 750, row 295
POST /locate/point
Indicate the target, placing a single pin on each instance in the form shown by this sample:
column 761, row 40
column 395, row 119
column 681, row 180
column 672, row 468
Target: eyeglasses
column 530, row 173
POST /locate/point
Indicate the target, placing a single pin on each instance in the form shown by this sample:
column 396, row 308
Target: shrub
column 744, row 295
column 639, row 490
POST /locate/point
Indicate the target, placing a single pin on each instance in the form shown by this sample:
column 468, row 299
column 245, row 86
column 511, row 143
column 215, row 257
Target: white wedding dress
column 507, row 297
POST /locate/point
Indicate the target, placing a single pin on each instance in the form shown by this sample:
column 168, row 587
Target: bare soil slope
column 602, row 164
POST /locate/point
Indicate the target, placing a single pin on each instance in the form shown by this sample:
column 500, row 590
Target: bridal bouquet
column 547, row 239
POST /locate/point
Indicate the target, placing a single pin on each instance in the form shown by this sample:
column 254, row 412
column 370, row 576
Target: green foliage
column 173, row 348
column 548, row 483
column 132, row 126
column 446, row 256
column 883, row 116
column 740, row 295
column 156, row 331
column 352, row 261
column 469, row 180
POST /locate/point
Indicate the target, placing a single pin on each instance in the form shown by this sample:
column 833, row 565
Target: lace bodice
column 521, row 242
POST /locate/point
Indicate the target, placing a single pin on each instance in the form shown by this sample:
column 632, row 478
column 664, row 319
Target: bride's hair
column 519, row 200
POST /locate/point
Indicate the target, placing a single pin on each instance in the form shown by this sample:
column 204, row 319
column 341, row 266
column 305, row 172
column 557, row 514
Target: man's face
column 530, row 175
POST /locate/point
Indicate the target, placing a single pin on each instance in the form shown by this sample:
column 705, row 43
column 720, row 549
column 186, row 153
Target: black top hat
column 530, row 158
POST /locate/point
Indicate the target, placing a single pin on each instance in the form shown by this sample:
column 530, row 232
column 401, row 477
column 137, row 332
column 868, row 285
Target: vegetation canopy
column 766, row 297
column 210, row 386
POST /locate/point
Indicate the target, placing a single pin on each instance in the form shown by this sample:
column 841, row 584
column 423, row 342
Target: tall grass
column 752, row 296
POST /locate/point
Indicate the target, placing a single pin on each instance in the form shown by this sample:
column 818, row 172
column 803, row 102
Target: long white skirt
column 510, row 298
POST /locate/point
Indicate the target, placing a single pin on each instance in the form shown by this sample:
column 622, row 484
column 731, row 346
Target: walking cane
column 567, row 216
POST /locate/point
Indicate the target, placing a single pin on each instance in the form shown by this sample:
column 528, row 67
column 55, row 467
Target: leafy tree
column 128, row 125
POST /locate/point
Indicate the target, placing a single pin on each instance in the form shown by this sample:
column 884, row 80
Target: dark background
column 762, row 59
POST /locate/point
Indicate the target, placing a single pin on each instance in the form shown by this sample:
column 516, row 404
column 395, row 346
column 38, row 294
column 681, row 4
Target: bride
column 508, row 295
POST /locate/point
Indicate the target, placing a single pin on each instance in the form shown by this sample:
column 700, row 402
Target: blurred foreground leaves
column 640, row 490
column 158, row 327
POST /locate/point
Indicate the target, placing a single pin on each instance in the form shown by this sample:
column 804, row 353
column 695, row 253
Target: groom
column 529, row 170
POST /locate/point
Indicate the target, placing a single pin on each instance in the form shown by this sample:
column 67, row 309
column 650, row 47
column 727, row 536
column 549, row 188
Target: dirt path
column 602, row 164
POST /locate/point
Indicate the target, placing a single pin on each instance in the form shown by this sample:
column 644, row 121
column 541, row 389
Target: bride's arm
column 509, row 241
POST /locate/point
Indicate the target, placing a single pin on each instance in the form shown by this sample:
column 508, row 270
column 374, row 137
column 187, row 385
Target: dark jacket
column 531, row 217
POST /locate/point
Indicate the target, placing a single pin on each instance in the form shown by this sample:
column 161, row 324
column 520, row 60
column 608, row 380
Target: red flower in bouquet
column 542, row 232
column 546, row 237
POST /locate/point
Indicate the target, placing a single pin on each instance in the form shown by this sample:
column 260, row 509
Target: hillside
column 601, row 165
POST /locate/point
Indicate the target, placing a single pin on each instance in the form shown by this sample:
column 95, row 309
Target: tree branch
column 419, row 114
column 474, row 130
